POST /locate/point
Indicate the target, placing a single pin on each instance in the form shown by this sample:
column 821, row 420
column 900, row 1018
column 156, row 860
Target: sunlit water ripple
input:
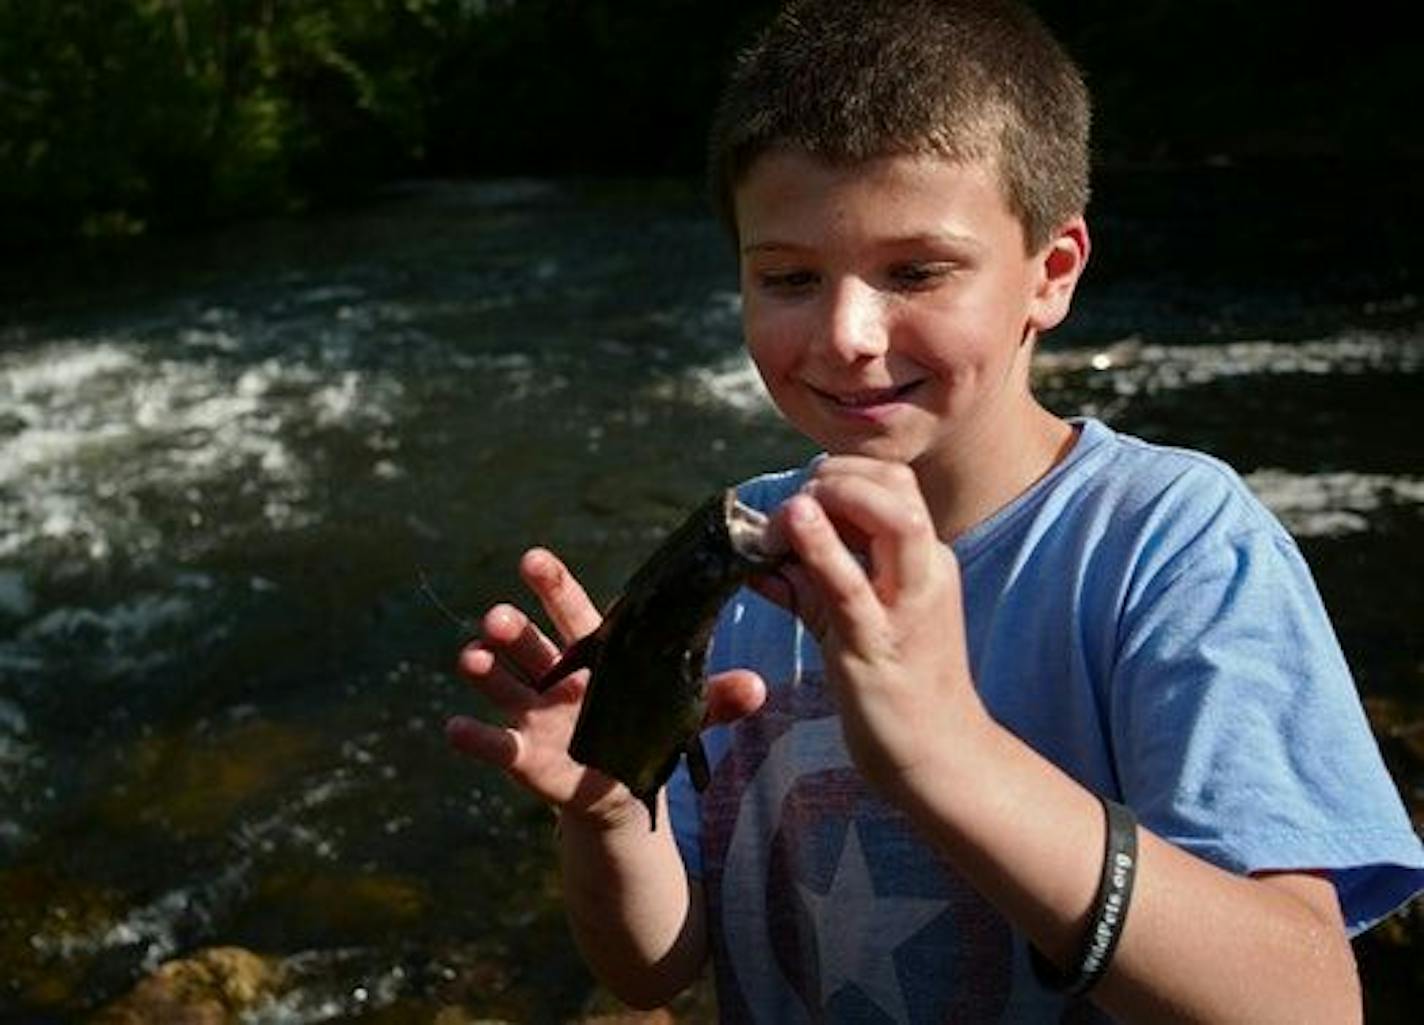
column 220, row 694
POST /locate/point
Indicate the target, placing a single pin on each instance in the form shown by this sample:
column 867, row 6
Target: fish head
column 749, row 534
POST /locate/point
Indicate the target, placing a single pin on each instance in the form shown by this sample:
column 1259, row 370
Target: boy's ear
column 1060, row 264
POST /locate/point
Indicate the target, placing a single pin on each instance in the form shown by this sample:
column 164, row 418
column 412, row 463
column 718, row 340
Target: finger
column 510, row 691
column 835, row 471
column 562, row 596
column 518, row 640
column 790, row 588
column 776, row 587
column 889, row 473
column 897, row 479
column 847, row 598
column 890, row 512
column 495, row 745
column 733, row 695
column 568, row 690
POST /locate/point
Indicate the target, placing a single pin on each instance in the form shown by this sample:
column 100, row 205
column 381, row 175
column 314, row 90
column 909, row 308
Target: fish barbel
column 647, row 690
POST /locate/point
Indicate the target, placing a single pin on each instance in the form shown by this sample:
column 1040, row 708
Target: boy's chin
column 886, row 449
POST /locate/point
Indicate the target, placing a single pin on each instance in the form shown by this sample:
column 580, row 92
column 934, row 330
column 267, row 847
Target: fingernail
column 803, row 510
column 476, row 660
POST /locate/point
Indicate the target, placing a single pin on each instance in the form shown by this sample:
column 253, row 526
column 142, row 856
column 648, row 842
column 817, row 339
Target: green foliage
column 120, row 116
column 117, row 114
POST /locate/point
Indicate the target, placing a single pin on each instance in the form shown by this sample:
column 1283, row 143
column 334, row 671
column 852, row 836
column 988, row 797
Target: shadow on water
column 221, row 690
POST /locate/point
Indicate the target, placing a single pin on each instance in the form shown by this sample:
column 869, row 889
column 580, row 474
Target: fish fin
column 697, row 766
column 650, row 798
column 579, row 655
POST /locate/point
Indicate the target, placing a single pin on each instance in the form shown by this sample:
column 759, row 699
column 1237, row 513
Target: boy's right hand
column 532, row 745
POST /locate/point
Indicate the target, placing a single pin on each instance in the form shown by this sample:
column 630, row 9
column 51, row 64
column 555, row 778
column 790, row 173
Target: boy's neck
column 967, row 482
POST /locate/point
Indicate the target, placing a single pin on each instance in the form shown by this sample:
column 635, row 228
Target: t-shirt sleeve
column 1238, row 731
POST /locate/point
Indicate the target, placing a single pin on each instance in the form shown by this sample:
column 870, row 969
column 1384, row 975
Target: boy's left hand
column 881, row 593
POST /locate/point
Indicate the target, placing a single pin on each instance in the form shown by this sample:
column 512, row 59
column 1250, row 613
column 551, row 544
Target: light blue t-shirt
column 1137, row 617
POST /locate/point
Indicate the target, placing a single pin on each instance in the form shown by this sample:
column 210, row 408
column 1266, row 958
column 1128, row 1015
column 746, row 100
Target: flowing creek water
column 221, row 473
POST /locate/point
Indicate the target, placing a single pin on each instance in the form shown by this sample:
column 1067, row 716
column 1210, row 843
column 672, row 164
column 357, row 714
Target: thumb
column 733, row 695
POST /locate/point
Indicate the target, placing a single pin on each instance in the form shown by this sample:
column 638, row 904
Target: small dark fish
column 646, row 693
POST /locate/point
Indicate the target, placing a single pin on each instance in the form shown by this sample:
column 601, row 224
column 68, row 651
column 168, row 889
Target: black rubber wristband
column 1109, row 908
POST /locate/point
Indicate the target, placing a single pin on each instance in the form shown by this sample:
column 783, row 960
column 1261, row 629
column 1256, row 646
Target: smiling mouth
column 868, row 398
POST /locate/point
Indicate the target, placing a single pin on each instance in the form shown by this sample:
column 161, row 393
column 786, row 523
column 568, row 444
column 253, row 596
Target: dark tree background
column 128, row 117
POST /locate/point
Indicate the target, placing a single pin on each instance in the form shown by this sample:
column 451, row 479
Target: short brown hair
column 851, row 80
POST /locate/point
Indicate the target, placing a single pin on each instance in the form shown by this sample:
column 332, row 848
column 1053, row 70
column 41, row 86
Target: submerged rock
column 194, row 783
column 212, row 987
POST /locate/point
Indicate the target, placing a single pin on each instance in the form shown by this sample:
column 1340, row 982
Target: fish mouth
column 749, row 532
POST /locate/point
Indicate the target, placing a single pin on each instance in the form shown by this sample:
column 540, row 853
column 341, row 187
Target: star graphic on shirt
column 858, row 931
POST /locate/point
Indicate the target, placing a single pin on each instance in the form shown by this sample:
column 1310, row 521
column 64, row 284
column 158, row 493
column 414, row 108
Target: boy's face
column 887, row 305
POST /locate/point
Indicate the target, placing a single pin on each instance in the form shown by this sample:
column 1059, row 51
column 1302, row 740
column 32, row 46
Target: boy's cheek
column 771, row 360
column 776, row 329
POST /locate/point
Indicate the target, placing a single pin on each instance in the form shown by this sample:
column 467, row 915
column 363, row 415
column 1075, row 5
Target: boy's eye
column 787, row 281
column 912, row 276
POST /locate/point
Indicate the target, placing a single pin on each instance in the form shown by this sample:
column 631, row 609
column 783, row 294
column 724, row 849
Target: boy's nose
column 854, row 324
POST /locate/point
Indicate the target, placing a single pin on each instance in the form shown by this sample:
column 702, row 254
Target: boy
column 1014, row 634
